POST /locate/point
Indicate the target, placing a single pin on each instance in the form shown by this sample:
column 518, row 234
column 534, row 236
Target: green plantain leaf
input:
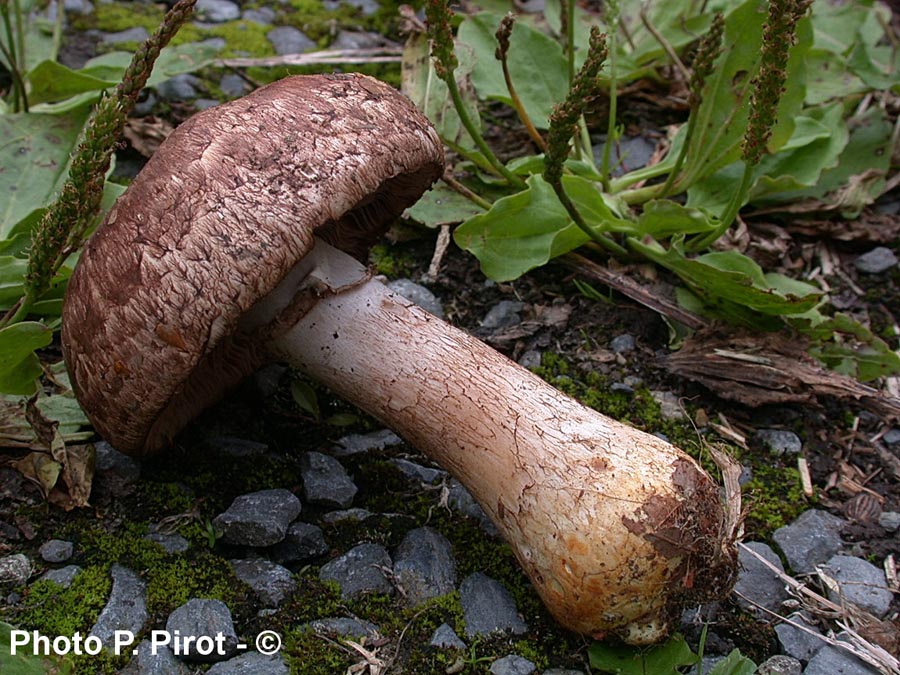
column 527, row 229
column 663, row 659
column 19, row 367
column 536, row 63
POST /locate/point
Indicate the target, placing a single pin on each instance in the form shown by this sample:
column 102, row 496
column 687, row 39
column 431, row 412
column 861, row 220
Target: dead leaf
column 770, row 368
column 147, row 133
column 40, row 468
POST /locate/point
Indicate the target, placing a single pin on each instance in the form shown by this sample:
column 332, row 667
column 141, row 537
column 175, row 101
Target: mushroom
column 239, row 243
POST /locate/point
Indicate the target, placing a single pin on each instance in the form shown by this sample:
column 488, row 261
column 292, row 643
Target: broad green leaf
column 24, row 662
column 422, row 85
column 442, row 205
column 536, row 63
column 848, row 347
column 527, row 229
column 664, row 659
column 36, row 152
column 734, row 664
column 12, row 280
column 38, row 33
column 728, row 278
column 305, row 397
column 19, row 366
column 723, row 113
column 662, row 218
column 53, row 82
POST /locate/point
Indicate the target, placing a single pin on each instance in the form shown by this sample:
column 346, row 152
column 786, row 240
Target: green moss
column 53, row 610
column 244, row 38
column 126, row 546
column 115, row 17
column 174, row 582
column 774, row 497
column 391, row 261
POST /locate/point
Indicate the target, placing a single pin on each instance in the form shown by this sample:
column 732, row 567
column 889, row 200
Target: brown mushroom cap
column 220, row 214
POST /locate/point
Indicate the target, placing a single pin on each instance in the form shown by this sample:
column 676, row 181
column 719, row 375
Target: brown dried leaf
column 147, row 133
column 770, row 368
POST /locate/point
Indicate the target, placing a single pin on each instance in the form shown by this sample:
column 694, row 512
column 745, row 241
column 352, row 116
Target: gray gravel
column 779, row 441
column 64, row 576
column 289, row 40
column 272, row 583
column 757, row 584
column 162, row 662
column 488, row 607
column 444, row 637
column 251, row 663
column 360, row 570
column 126, row 608
column 423, row 566
column 810, row 540
column 409, row 289
column 512, row 665
column 302, row 542
column 860, row 583
column 258, row 518
column 325, row 481
column 56, row 551
column 209, row 618
column 876, row 261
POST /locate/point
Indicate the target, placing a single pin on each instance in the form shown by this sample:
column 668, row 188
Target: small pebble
column 264, row 16
column 424, row 567
column 425, row 474
column 810, row 540
column 217, row 11
column 530, row 359
column 343, row 627
column 503, row 315
column 622, row 344
column 289, row 40
column 178, row 88
column 860, row 583
column 445, row 637
column 488, row 607
column 415, row 293
column 669, row 405
column 204, row 618
column 325, row 481
column 892, row 439
column 56, row 551
column 126, row 608
column 64, row 576
column 135, row 34
column 302, row 542
column 834, row 661
column 258, row 518
column 779, row 441
column 876, row 261
column 512, row 665
column 251, row 663
column 361, row 570
column 15, row 569
column 172, row 543
column 757, row 584
column 890, row 520
column 795, row 641
column 780, row 665
column 354, row 444
column 162, row 662
column 272, row 583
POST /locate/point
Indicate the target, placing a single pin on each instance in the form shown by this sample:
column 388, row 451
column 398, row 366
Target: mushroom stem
column 617, row 529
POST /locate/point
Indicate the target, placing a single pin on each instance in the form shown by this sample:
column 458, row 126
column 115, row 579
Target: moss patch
column 53, row 610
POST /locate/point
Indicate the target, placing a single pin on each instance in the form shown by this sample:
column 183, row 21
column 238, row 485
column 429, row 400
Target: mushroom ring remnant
column 231, row 248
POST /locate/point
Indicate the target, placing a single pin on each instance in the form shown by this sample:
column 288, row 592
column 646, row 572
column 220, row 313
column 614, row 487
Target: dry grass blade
column 847, row 616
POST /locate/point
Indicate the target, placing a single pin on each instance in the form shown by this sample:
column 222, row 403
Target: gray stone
column 325, row 481
column 15, row 569
column 621, row 388
column 289, row 40
column 795, row 641
column 488, row 607
column 355, row 444
column 622, row 344
column 409, row 289
column 356, row 515
column 779, row 441
column 343, row 627
column 178, row 88
column 669, row 405
column 251, row 663
column 780, row 665
column 233, row 85
column 461, row 499
column 264, row 16
column 302, row 542
column 205, row 103
column 272, row 583
column 162, row 662
column 172, row 543
column 64, row 576
column 563, row 671
column 707, row 663
column 198, row 618
column 512, row 665
column 258, row 518
column 811, row 539
column 355, row 39
column 144, row 106
column 889, row 520
column 425, row 474
column 423, row 566
column 835, row 661
column 878, row 260
column 83, row 7
column 109, row 460
column 756, row 582
column 135, row 34
column 367, row 7
column 359, row 571
column 217, row 11
column 892, row 439
column 238, row 447
column 628, row 153
column 126, row 608
column 444, row 637
column 530, row 359
column 56, row 550
column 860, row 583
column 503, row 315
